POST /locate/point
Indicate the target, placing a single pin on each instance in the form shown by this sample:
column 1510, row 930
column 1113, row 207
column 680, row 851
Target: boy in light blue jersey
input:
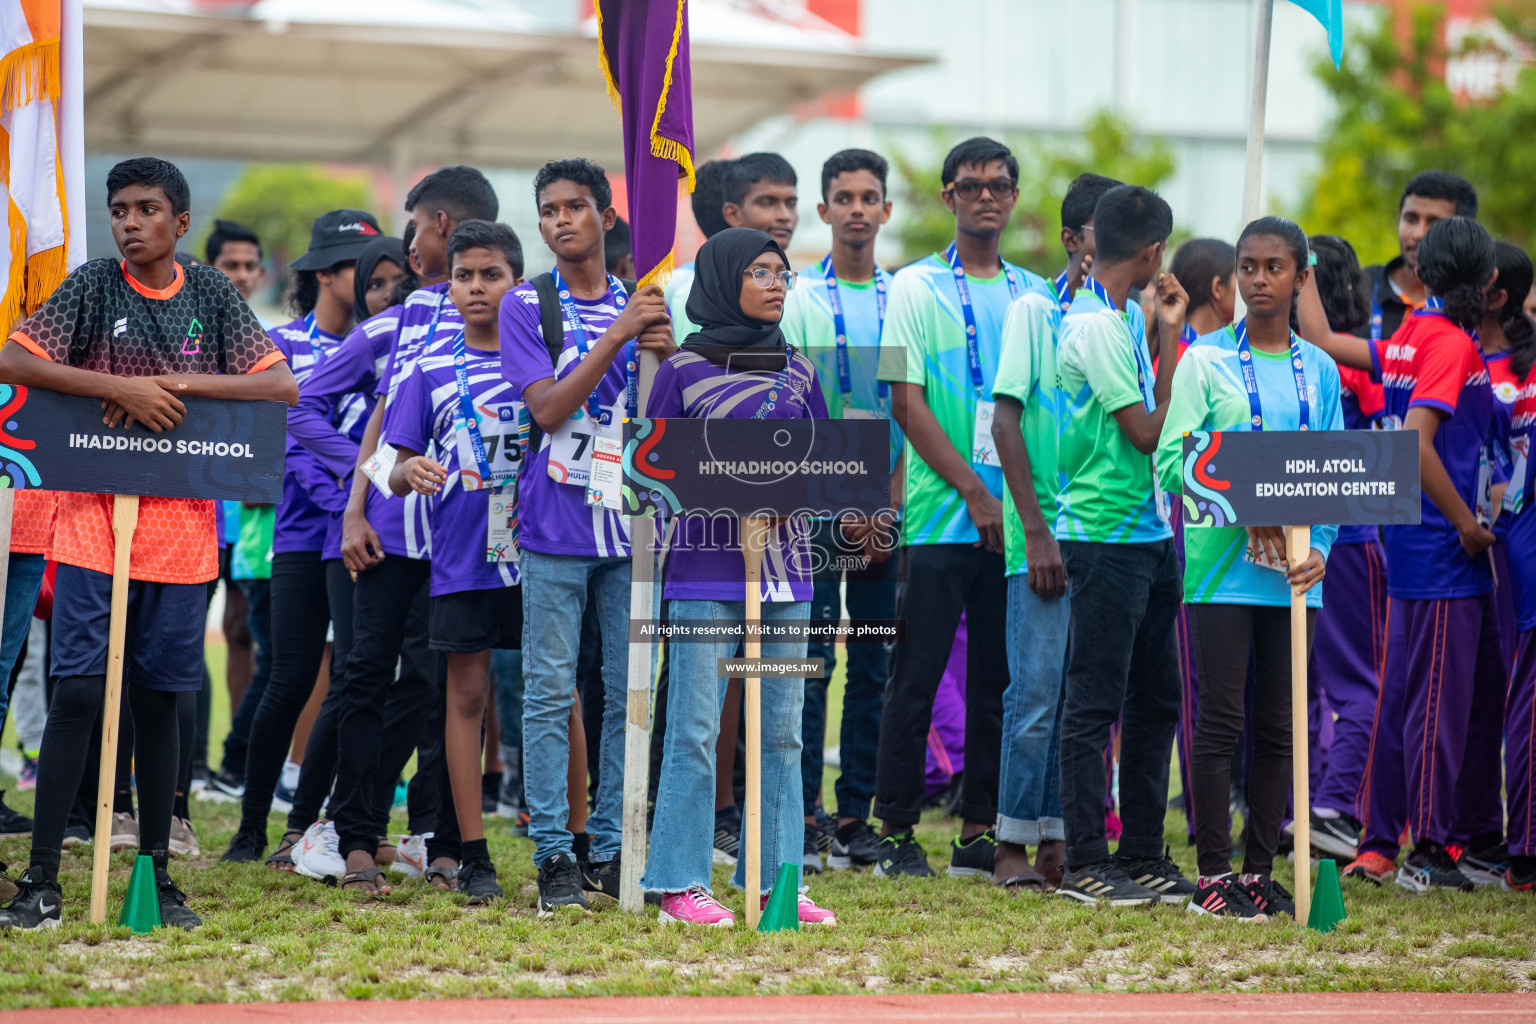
column 835, row 317
column 939, row 353
column 1117, row 548
column 1031, row 413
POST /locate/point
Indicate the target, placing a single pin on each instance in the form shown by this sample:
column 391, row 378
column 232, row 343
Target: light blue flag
column 1331, row 14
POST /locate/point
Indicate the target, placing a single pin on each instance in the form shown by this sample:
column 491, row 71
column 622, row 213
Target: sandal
column 1025, row 881
column 371, row 877
column 282, row 857
column 444, row 878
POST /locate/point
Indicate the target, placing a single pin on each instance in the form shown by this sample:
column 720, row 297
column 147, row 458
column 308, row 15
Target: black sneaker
column 245, row 848
column 1162, row 876
column 973, row 856
column 1105, row 882
column 901, row 854
column 810, row 855
column 35, row 905
column 727, row 838
column 559, row 885
column 1270, row 896
column 1430, row 866
column 77, row 835
column 174, row 912
column 477, row 880
column 854, row 845
column 602, row 878
column 13, row 823
column 825, row 827
column 1337, row 837
column 1223, row 896
column 224, row 788
column 1486, row 867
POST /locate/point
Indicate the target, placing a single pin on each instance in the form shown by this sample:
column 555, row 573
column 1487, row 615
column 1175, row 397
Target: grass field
column 270, row 936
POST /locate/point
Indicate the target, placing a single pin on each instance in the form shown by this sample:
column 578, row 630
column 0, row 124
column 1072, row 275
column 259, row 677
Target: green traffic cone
column 141, row 907
column 783, row 910
column 1327, row 898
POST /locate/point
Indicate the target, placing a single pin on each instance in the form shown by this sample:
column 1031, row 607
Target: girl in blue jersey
column 1255, row 375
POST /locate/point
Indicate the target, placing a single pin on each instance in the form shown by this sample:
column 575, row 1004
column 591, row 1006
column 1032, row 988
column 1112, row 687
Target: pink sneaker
column 695, row 907
column 810, row 913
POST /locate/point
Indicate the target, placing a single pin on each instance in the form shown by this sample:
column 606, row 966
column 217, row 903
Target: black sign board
column 1301, row 478
column 224, row 450
column 817, row 468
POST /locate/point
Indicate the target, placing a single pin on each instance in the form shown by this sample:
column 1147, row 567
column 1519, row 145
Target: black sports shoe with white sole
column 1270, row 896
column 1161, row 875
column 560, row 885
column 810, row 851
column 854, row 845
column 602, row 878
column 1224, row 896
column 477, row 880
column 35, row 905
column 13, row 823
column 1336, row 837
column 1430, row 866
column 1105, row 882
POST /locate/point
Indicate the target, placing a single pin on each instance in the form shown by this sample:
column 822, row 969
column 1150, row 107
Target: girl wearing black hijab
column 379, row 268
column 736, row 366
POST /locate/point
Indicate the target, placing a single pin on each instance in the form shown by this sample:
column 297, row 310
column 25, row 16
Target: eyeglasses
column 970, row 188
column 764, row 278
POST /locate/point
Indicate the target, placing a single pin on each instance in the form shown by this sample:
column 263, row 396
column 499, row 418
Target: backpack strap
column 550, row 316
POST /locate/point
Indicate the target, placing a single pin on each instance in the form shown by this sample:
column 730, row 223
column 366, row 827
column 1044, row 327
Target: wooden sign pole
column 1298, row 545
column 754, row 538
column 637, row 718
column 125, row 517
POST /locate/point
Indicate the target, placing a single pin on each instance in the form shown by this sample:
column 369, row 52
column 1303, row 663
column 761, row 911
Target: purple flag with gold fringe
column 643, row 50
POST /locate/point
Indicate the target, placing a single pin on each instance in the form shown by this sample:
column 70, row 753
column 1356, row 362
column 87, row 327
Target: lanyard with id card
column 1256, row 409
column 844, row 363
column 1514, row 494
column 379, row 465
column 571, row 446
column 983, row 449
column 493, row 450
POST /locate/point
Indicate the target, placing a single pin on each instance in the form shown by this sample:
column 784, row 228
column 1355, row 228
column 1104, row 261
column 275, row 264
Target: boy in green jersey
column 939, row 352
column 1117, row 548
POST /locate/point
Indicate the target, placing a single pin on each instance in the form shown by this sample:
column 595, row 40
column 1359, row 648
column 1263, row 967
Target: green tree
column 281, row 201
column 1047, row 166
column 1394, row 115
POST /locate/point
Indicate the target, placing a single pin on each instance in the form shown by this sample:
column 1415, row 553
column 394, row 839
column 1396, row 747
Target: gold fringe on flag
column 29, row 73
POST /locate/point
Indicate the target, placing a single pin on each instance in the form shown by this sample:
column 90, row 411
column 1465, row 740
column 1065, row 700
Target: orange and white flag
column 41, row 150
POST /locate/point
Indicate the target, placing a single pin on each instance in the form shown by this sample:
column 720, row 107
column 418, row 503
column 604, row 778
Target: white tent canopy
column 404, row 83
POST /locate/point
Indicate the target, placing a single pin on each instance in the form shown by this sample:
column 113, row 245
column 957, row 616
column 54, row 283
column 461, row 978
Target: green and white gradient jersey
column 1107, row 490
column 1208, row 394
column 924, row 343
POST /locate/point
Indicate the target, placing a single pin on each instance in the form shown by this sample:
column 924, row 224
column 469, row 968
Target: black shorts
column 469, row 621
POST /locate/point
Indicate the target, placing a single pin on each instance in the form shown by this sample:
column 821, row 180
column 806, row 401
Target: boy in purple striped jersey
column 456, row 405
column 571, row 538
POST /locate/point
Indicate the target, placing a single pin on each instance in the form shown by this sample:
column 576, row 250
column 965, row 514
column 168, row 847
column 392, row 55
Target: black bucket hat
column 337, row 237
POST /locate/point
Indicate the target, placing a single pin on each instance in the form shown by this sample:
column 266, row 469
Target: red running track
column 1056, row 1008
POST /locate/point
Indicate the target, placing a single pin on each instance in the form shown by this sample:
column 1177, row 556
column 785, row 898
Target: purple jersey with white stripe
column 1431, row 362
column 337, row 399
column 704, row 562
column 312, row 495
column 556, row 519
column 403, row 524
column 424, row 417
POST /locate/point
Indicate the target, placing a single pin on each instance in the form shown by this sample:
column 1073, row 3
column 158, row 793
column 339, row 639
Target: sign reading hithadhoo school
column 231, row 451
column 822, row 469
column 1301, row 478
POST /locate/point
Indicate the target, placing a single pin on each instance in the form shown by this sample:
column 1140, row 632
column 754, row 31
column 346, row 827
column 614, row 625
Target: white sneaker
column 317, row 854
column 411, row 855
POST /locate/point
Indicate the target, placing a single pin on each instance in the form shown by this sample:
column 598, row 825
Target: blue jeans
column 22, row 584
column 554, row 598
column 683, row 835
column 871, row 594
column 1029, row 787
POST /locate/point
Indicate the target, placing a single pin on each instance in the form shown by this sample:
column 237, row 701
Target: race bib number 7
column 570, row 447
